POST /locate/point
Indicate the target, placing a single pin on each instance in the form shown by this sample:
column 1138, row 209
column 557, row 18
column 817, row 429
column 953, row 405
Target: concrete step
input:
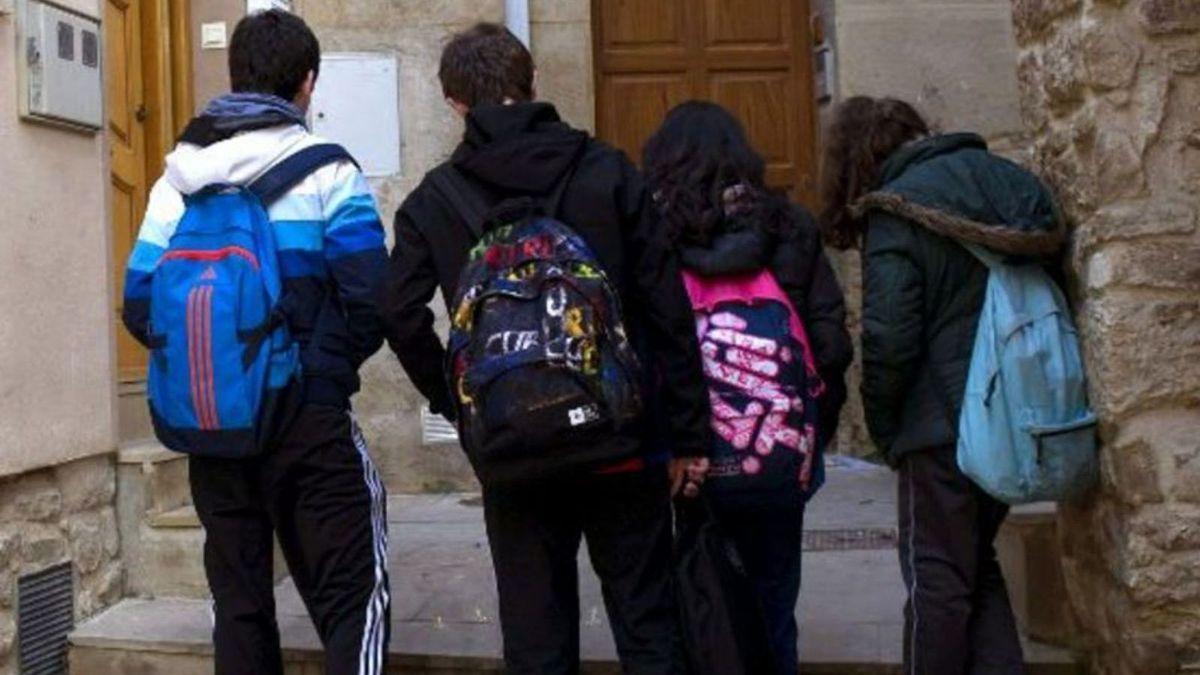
column 172, row 560
column 172, row 557
column 1029, row 552
column 174, row 636
column 152, row 478
column 152, row 481
column 133, row 415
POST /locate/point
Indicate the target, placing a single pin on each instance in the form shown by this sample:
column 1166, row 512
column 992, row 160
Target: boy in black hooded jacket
column 514, row 147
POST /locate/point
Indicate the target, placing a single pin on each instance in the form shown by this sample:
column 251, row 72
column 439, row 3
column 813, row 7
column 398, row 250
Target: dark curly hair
column 863, row 134
column 273, row 52
column 698, row 153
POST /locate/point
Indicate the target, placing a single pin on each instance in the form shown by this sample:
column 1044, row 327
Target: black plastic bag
column 721, row 621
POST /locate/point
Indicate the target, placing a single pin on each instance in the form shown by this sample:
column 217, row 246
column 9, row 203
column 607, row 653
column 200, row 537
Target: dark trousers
column 535, row 535
column 769, row 541
column 316, row 489
column 958, row 619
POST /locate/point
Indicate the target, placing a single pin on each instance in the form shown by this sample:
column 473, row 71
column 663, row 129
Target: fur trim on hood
column 1000, row 238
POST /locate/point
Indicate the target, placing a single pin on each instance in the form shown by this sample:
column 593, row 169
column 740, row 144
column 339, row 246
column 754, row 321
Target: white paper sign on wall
column 356, row 104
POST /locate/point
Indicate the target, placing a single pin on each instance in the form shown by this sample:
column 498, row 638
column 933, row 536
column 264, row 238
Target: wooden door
column 752, row 56
column 126, row 106
column 149, row 99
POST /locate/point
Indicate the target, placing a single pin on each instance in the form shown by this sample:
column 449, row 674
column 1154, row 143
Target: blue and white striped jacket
column 331, row 250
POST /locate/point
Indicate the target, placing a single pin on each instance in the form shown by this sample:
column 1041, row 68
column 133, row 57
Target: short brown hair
column 864, row 132
column 486, row 64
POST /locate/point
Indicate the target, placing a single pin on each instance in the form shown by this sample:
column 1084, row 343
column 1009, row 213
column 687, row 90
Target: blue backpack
column 221, row 352
column 1026, row 432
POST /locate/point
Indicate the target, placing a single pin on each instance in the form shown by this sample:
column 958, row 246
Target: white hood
column 236, row 161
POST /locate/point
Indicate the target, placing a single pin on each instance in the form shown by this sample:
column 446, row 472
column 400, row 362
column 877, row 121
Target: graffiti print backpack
column 1026, row 432
column 220, row 349
column 762, row 383
column 538, row 358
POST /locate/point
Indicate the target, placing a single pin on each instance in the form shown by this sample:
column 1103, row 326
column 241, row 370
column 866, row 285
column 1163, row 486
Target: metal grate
column 45, row 615
column 435, row 430
column 869, row 539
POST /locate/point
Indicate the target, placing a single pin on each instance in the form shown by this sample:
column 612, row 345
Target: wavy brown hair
column 864, row 132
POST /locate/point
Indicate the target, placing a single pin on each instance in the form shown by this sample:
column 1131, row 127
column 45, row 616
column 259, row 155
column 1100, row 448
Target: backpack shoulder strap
column 284, row 176
column 984, row 255
column 462, row 196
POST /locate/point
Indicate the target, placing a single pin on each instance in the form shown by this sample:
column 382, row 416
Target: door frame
column 806, row 89
column 168, row 101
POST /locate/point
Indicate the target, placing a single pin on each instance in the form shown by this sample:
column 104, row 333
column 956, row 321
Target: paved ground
column 444, row 599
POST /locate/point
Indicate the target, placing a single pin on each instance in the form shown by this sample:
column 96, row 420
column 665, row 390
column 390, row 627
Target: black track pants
column 958, row 619
column 315, row 489
column 535, row 535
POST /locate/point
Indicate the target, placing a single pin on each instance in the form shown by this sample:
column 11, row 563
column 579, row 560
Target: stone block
column 1146, row 264
column 1034, row 17
column 560, row 11
column 1110, row 55
column 87, row 484
column 42, row 545
column 10, row 544
column 1172, row 528
column 380, row 16
column 1132, row 471
column 1185, row 60
column 86, row 535
column 1126, row 374
column 563, row 53
column 31, row 497
column 1170, row 16
column 967, row 81
column 1135, row 220
column 1118, row 165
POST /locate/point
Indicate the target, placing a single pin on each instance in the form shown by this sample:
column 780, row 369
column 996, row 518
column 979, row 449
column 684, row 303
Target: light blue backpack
column 1026, row 432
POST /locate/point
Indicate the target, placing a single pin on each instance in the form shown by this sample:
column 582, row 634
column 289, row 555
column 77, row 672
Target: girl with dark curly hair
column 771, row 321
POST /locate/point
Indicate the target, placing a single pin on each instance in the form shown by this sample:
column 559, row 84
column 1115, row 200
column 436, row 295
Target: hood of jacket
column 522, row 147
column 740, row 245
column 235, row 140
column 953, row 186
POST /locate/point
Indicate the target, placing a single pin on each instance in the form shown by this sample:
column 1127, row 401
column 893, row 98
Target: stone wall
column 51, row 516
column 1111, row 89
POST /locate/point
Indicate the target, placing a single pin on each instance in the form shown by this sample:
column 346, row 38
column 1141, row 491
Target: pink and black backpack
column 762, row 382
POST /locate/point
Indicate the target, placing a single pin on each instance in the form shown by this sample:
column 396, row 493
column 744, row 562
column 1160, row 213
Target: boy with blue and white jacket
column 314, row 487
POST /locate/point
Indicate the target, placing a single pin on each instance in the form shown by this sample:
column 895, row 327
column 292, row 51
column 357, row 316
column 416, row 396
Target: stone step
column 172, row 557
column 172, row 562
column 174, row 636
column 1029, row 553
column 152, row 478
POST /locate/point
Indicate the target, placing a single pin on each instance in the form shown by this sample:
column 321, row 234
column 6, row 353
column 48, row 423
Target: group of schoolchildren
column 622, row 340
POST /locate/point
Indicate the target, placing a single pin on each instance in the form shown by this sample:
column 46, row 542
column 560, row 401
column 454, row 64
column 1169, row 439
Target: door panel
column 630, row 124
column 751, row 56
column 127, row 156
column 748, row 23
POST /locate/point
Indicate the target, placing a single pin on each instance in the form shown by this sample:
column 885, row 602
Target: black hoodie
column 526, row 150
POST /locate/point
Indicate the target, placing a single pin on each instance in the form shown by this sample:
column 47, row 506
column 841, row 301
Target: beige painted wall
column 210, row 67
column 56, row 333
